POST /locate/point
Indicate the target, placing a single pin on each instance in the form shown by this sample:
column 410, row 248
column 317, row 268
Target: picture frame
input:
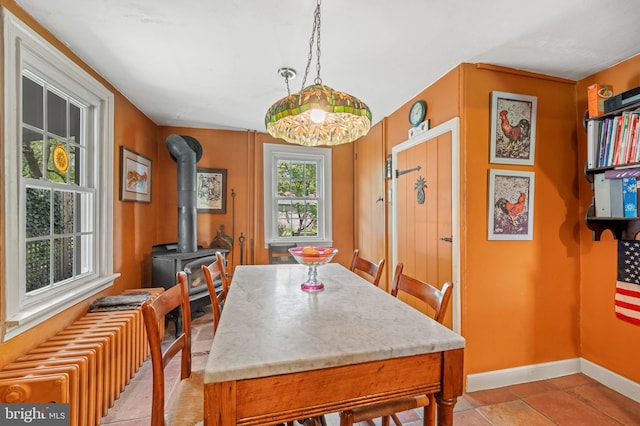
column 513, row 128
column 511, row 196
column 135, row 176
column 211, row 190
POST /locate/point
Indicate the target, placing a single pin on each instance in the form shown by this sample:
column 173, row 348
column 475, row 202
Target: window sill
column 39, row 313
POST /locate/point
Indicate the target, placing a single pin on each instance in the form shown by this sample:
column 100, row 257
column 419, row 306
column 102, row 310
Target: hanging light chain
column 318, row 80
column 315, row 31
column 286, row 80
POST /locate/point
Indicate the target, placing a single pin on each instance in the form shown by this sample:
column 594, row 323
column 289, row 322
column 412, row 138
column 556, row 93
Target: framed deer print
column 510, row 205
column 513, row 128
column 135, row 176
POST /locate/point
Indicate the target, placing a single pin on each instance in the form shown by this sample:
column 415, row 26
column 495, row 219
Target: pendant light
column 317, row 115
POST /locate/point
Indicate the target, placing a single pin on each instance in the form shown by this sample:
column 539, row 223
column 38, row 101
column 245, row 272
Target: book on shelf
column 613, row 141
column 629, row 196
column 622, row 172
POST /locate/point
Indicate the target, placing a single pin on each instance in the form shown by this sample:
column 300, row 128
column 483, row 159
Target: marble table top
column 270, row 326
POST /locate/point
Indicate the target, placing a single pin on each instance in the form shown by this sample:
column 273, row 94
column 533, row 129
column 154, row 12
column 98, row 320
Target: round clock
column 417, row 112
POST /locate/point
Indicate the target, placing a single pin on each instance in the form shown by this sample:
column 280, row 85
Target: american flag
column 628, row 283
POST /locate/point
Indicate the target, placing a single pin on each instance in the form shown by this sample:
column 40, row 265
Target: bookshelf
column 613, row 153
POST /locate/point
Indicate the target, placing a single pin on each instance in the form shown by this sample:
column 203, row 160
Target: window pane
column 56, row 114
column 85, row 254
column 297, row 218
column 306, row 218
column 37, row 265
column 32, row 107
column 53, row 173
column 74, row 164
column 38, row 212
column 74, row 124
column 32, row 155
column 63, row 259
column 285, row 227
column 84, row 213
column 63, row 212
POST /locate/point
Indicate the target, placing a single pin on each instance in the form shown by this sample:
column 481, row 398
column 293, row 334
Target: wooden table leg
column 451, row 385
column 220, row 404
column 445, row 410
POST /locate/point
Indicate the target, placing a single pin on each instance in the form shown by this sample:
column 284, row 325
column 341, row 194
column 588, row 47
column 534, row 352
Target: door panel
column 370, row 200
column 423, row 233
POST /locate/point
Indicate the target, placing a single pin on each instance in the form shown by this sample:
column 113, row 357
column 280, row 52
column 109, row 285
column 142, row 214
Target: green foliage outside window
column 297, row 198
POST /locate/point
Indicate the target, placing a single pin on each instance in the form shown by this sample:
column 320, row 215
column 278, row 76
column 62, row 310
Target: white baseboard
column 549, row 370
column 612, row 380
column 517, row 375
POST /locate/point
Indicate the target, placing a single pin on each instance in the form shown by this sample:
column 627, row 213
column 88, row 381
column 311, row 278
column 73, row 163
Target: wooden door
column 370, row 200
column 425, row 219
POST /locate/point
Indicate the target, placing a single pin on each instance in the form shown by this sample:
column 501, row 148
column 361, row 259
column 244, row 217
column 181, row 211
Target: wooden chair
column 279, row 254
column 374, row 270
column 187, row 408
column 213, row 272
column 438, row 300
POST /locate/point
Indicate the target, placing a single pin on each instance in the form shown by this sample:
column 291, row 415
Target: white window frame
column 24, row 49
column 271, row 154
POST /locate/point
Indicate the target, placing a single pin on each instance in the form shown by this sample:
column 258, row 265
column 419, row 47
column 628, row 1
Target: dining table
column 283, row 354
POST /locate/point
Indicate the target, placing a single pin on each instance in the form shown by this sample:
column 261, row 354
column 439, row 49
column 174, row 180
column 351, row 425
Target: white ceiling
column 213, row 63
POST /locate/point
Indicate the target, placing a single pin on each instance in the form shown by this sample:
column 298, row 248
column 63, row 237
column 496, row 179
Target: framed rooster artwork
column 510, row 205
column 513, row 128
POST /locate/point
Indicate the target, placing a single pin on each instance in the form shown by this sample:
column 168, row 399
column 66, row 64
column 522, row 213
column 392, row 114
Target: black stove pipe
column 186, row 151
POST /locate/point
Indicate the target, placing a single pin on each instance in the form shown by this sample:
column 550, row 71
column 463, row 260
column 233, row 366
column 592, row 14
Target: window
column 58, row 148
column 297, row 196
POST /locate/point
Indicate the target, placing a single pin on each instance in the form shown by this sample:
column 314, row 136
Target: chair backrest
column 437, row 299
column 212, row 272
column 176, row 297
column 279, row 254
column 374, row 270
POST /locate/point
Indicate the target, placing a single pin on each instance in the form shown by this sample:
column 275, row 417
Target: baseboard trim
column 549, row 370
column 524, row 374
column 612, row 380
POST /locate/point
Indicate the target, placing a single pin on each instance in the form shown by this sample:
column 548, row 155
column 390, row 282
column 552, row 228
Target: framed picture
column 510, row 205
column 211, row 190
column 135, row 176
column 513, row 128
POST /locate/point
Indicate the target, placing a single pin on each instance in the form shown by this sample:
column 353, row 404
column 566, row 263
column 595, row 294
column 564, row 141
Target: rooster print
column 514, row 123
column 515, row 135
column 511, row 208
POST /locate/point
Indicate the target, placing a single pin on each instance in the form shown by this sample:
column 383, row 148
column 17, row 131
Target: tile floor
column 570, row 400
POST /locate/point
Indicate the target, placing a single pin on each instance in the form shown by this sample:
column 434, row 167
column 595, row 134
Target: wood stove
column 166, row 262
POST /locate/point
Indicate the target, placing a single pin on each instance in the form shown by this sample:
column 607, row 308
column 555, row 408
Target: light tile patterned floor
column 574, row 400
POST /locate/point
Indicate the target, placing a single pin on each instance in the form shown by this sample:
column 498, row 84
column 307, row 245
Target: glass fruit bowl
column 312, row 257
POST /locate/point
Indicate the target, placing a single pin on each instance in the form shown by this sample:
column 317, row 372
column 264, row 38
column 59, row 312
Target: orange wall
column 241, row 154
column 133, row 222
column 606, row 340
column 520, row 299
column 442, row 105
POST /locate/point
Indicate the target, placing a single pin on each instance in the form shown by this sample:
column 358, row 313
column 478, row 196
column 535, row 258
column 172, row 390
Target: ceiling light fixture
column 317, row 115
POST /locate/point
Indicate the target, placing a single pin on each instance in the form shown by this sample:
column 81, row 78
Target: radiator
column 87, row 365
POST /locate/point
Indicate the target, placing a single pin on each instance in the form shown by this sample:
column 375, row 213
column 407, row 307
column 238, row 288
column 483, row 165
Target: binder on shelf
column 602, row 193
column 592, row 144
column 629, row 196
column 617, row 198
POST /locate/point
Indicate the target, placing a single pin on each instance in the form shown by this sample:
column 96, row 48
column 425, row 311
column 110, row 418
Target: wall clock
column 417, row 112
